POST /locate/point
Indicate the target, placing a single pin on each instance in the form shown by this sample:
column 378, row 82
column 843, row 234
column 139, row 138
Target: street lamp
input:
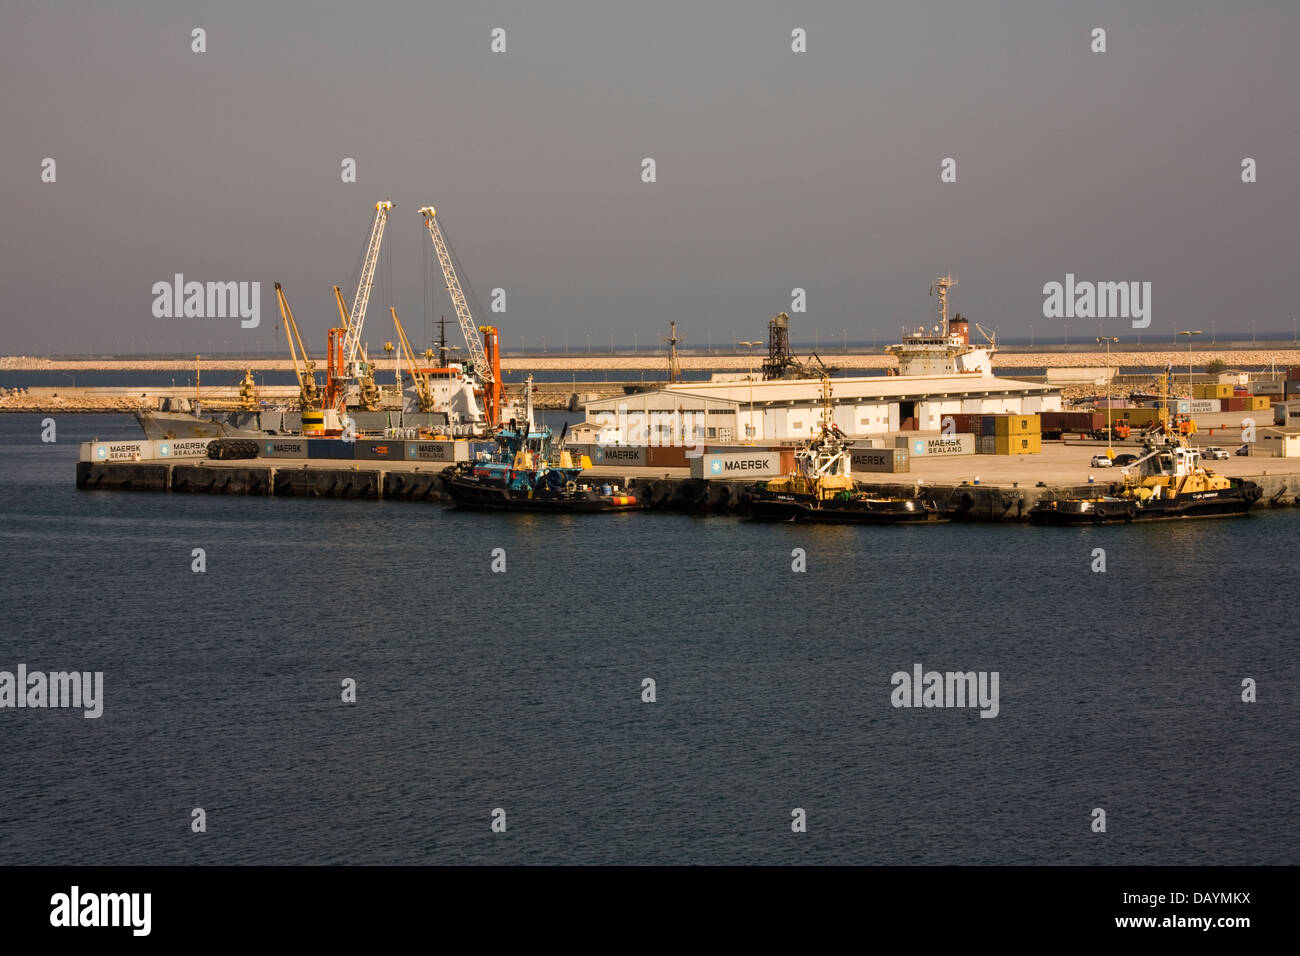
column 750, row 426
column 1189, row 362
column 1110, row 436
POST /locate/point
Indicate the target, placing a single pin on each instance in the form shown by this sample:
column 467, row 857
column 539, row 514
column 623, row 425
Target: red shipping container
column 669, row 456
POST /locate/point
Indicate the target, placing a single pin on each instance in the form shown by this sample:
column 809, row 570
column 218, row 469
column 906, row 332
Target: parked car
column 1243, row 450
column 1123, row 461
column 1101, row 461
column 1214, row 453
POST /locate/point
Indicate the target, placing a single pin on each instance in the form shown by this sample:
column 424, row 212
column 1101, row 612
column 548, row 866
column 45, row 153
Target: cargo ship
column 821, row 488
column 1166, row 482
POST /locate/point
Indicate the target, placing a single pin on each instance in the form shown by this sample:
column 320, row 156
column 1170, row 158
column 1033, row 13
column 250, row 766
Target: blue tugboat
column 529, row 473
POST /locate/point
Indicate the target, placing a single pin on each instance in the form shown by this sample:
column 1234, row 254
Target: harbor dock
column 982, row 487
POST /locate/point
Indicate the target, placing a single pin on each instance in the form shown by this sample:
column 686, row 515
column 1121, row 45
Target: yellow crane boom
column 308, row 396
column 423, row 389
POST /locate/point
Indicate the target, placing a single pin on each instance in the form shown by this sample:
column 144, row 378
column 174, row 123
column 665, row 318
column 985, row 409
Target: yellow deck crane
column 346, row 359
column 423, row 389
column 308, row 394
column 367, row 391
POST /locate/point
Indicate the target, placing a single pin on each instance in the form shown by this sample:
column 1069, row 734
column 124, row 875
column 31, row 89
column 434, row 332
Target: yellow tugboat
column 821, row 487
column 1168, row 481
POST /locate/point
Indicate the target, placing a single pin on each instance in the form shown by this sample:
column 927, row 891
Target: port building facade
column 790, row 409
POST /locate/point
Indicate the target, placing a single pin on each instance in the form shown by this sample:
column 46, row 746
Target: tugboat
column 1167, row 481
column 821, row 487
column 528, row 474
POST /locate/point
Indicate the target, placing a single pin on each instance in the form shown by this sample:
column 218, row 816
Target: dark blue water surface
column 522, row 690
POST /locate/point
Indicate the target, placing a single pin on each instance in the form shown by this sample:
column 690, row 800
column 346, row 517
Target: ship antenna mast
column 942, row 285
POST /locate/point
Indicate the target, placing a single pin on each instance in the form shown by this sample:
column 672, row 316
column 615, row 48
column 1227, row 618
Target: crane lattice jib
column 352, row 341
column 478, row 357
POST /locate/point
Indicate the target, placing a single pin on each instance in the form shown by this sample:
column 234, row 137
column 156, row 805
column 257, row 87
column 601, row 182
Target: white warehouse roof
column 866, row 388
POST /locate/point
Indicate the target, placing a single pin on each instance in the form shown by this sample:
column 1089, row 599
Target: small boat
column 1168, row 481
column 821, row 488
column 528, row 473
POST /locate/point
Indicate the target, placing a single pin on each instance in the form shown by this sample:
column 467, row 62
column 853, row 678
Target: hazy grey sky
column 775, row 169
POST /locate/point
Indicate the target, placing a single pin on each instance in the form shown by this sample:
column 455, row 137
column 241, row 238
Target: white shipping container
column 117, row 450
column 751, row 464
column 284, row 448
column 1205, row 406
column 166, row 448
column 932, row 445
column 631, row 455
column 448, row 451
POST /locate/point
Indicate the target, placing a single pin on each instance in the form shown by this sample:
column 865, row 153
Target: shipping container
column 1259, row 403
column 1212, row 390
column 1292, row 386
column 1269, row 388
column 986, row 445
column 1017, row 425
column 381, row 450
column 181, row 448
column 142, row 450
column 1208, row 406
column 1018, row 444
column 1293, row 372
column 878, row 459
column 737, row 465
column 449, row 451
column 283, row 448
column 331, row 448
column 666, row 456
column 937, row 445
column 632, row 456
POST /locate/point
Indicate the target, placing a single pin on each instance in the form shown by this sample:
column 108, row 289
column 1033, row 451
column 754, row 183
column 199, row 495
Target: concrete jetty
column 1006, row 491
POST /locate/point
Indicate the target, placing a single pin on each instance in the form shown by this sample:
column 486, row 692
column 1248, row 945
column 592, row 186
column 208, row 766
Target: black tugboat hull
column 783, row 508
column 1224, row 503
column 468, row 493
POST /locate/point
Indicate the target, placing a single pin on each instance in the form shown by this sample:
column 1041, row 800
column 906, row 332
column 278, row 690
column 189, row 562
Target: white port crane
column 352, row 348
column 477, row 355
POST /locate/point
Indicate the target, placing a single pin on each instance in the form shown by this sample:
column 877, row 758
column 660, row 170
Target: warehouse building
column 790, row 410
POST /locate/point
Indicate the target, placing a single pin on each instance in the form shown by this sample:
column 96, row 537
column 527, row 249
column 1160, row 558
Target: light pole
column 588, row 341
column 73, row 377
column 634, row 345
column 1252, row 332
column 846, row 340
column 1031, row 336
column 1110, row 436
column 873, row 338
column 749, row 428
column 1214, row 331
column 1189, row 363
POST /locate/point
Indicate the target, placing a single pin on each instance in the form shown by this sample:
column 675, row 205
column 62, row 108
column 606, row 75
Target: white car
column 1101, row 461
column 1215, row 453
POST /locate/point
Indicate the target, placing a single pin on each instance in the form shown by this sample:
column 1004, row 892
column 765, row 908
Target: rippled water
column 522, row 690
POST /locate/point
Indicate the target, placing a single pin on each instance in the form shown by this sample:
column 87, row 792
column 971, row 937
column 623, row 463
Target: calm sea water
column 522, row 690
